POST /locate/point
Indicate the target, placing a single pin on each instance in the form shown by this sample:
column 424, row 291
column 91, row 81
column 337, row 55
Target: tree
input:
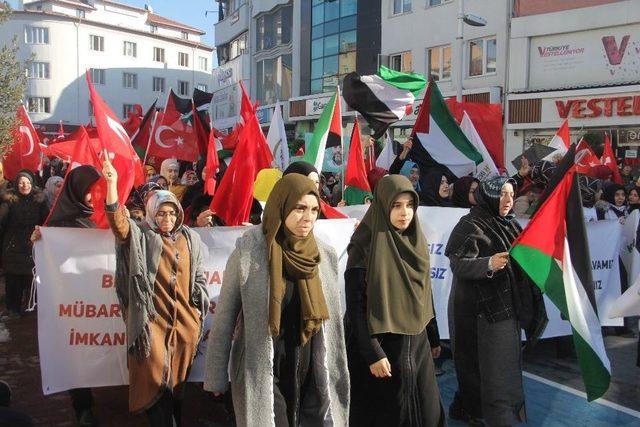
column 13, row 82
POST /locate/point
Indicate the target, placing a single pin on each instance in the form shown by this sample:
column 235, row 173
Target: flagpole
column 342, row 142
column 153, row 125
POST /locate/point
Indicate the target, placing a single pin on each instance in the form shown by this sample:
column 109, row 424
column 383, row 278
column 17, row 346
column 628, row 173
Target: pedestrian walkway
column 550, row 404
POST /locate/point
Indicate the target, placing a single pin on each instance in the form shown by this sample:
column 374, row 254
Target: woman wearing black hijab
column 73, row 208
column 613, row 204
column 389, row 305
column 491, row 300
column 463, row 192
column 434, row 189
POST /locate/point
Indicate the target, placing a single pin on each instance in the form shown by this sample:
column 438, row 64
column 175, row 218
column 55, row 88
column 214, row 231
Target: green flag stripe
column 406, row 81
column 445, row 121
column 595, row 375
column 320, row 132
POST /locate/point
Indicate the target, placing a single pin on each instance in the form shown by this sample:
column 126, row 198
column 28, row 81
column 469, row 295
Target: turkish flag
column 232, row 202
column 585, row 158
column 609, row 160
column 25, row 152
column 356, row 173
column 116, row 143
column 211, row 167
column 173, row 136
column 134, row 118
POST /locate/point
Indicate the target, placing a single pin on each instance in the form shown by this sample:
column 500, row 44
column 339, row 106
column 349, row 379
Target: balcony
column 232, row 25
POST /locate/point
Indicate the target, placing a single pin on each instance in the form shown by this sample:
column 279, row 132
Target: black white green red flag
column 554, row 252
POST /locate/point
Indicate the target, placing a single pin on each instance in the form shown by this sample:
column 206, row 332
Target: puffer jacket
column 18, row 217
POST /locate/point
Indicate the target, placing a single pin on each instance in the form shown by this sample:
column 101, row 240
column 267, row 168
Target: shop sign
column 586, row 108
column 224, row 76
column 631, row 154
column 315, row 106
column 629, row 137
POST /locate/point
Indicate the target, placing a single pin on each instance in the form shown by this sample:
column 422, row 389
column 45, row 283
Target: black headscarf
column 430, row 190
column 303, row 168
column 25, row 173
column 461, row 189
column 609, row 194
column 70, row 209
column 633, row 206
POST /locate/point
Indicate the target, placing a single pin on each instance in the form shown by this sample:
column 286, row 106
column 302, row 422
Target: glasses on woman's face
column 163, row 214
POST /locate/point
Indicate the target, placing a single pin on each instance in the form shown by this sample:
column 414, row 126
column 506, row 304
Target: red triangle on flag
column 356, row 173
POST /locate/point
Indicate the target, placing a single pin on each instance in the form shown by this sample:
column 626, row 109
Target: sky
column 192, row 15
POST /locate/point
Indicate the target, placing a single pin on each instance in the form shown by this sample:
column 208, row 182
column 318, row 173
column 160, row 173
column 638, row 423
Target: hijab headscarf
column 461, row 189
column 26, row 174
column 397, row 262
column 155, row 200
column 300, row 167
column 293, row 258
column 164, row 170
column 70, row 206
column 50, row 189
column 488, row 197
column 609, row 195
column 405, row 170
column 430, row 193
column 633, row 206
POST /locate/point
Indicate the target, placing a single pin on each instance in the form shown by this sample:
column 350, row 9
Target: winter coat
column 18, row 217
column 240, row 343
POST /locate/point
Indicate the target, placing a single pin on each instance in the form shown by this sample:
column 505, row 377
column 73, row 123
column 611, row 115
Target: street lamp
column 474, row 21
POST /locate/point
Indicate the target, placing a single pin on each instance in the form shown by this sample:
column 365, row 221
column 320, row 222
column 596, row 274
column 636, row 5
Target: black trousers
column 16, row 285
column 81, row 400
column 166, row 412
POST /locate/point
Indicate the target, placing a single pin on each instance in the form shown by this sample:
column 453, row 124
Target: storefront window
column 333, row 44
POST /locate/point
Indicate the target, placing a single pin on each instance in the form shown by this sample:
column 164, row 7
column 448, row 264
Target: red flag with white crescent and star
column 25, row 152
column 173, row 136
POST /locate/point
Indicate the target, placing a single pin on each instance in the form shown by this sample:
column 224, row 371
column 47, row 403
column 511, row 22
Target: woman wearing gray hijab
column 161, row 287
column 52, row 189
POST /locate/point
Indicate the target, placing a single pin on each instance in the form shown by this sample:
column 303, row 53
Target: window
column 98, row 76
column 202, row 87
column 183, row 59
column 274, row 29
column 130, row 80
column 96, row 43
column 158, row 54
column 80, row 13
column 438, row 2
column 274, row 79
column 203, row 63
column 158, row 84
column 238, row 46
column 482, row 56
column 401, row 62
column 401, row 6
column 36, row 35
column 439, row 63
column 126, row 109
column 183, row 88
column 184, row 35
column 130, row 49
column 38, row 70
column 153, row 29
column 333, row 42
column 38, row 104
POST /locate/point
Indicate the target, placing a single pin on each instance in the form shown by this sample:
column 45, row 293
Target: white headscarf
column 164, row 169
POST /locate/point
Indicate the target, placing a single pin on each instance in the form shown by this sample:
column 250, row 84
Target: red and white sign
column 593, row 110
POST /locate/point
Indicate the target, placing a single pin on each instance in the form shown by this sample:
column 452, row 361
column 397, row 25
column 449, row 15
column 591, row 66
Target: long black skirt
column 409, row 398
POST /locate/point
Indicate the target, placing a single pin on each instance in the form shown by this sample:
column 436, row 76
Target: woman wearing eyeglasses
column 161, row 287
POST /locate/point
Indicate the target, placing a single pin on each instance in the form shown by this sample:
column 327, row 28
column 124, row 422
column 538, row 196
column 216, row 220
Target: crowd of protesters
column 308, row 367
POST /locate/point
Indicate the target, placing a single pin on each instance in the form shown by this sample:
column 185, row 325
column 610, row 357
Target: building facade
column 576, row 60
column 133, row 56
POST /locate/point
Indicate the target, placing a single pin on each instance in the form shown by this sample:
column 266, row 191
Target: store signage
column 629, row 137
column 315, row 106
column 586, row 108
column 224, row 75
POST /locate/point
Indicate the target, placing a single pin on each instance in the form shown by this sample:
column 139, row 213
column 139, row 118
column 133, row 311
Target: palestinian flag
column 442, row 142
column 382, row 98
column 327, row 133
column 140, row 137
column 357, row 185
column 554, row 252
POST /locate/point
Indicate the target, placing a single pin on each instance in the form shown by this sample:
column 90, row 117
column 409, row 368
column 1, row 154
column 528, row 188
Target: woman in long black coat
column 491, row 300
column 389, row 305
column 23, row 207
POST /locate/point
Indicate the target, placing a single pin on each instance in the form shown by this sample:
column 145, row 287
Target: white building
column 134, row 56
column 578, row 60
column 421, row 36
